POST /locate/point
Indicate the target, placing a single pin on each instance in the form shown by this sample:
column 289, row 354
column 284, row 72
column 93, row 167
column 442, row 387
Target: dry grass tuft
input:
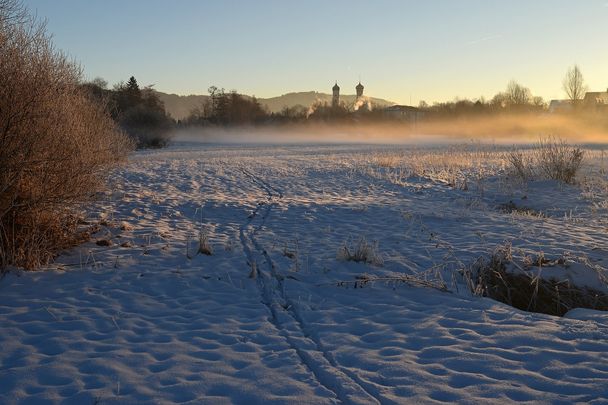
column 361, row 251
column 204, row 246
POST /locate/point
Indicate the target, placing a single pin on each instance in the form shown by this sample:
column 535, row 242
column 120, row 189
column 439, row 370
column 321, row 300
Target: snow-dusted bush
column 56, row 144
column 550, row 158
column 557, row 160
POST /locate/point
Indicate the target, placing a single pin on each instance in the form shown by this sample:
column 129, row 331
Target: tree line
column 225, row 108
column 231, row 108
column 516, row 98
column 139, row 112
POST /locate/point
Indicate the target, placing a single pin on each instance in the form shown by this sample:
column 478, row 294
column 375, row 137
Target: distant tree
column 322, row 111
column 217, row 107
column 197, row 116
column 574, row 85
column 539, row 103
column 295, row 113
column 97, row 89
column 517, row 95
column 499, row 101
column 145, row 118
column 228, row 109
column 480, row 105
column 132, row 85
column 141, row 113
column 100, row 82
column 457, row 108
column 132, row 91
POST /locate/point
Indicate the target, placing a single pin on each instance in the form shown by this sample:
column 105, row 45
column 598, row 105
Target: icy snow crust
column 263, row 321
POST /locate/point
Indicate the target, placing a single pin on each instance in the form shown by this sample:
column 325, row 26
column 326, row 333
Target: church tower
column 359, row 89
column 335, row 100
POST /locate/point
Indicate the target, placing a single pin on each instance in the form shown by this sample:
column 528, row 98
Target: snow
column 275, row 316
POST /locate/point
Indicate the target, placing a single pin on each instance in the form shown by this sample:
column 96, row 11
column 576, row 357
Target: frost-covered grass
column 540, row 284
column 549, row 158
column 361, row 251
column 273, row 315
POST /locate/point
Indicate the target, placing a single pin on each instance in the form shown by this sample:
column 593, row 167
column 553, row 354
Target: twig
column 402, row 279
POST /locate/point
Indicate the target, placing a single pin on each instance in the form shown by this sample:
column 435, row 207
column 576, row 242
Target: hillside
column 180, row 106
column 276, row 104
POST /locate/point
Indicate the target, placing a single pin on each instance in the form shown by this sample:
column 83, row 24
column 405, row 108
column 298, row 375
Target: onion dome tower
column 335, row 100
column 359, row 89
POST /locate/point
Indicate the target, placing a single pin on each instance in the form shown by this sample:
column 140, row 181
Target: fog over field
column 503, row 130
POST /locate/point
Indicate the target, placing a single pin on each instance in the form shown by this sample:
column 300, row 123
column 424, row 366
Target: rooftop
column 599, row 97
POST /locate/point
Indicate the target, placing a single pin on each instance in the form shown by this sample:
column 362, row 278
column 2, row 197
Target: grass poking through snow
column 361, row 251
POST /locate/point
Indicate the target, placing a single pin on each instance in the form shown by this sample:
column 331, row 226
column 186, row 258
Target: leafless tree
column 517, row 95
column 574, row 84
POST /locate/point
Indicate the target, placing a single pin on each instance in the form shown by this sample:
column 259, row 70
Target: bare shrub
column 56, row 144
column 361, row 251
column 550, row 158
column 520, row 165
column 557, row 160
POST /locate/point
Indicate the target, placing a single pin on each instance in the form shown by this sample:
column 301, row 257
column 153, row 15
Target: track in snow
column 284, row 315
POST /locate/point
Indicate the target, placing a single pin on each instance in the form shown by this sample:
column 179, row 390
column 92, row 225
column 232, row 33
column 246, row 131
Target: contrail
column 484, row 39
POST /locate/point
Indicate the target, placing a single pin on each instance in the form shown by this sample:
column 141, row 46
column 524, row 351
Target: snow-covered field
column 276, row 315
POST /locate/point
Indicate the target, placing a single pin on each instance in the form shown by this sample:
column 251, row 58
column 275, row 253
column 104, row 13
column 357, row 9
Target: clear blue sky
column 431, row 50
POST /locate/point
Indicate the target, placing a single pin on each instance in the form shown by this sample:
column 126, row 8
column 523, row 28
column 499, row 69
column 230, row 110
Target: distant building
column 359, row 90
column 335, row 99
column 403, row 113
column 560, row 106
column 596, row 100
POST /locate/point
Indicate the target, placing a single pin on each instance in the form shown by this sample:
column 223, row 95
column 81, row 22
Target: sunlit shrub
column 550, row 158
column 56, row 144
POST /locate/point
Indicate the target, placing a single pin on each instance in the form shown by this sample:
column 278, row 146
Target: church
column 335, row 100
